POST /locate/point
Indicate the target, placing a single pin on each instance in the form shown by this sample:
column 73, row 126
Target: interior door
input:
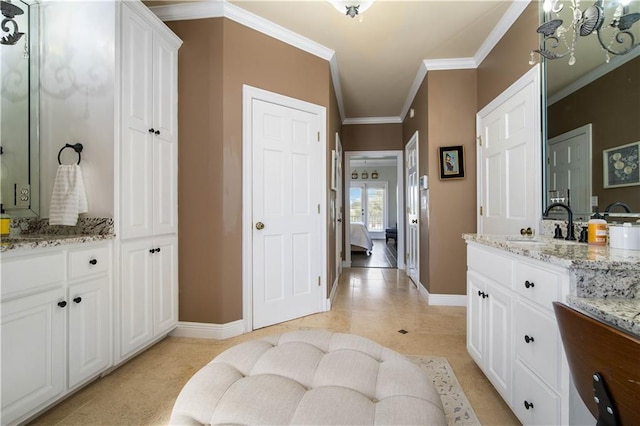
column 286, row 197
column 509, row 159
column 339, row 207
column 413, row 209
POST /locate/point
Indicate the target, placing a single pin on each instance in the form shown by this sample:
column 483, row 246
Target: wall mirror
column 592, row 120
column 19, row 181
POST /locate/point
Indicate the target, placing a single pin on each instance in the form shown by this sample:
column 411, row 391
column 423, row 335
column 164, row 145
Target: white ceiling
column 378, row 57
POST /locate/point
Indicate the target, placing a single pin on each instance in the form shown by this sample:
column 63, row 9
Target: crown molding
column 450, row 64
column 372, row 120
column 190, row 10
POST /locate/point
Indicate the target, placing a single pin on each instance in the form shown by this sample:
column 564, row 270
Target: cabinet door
column 165, row 187
column 33, row 336
column 136, row 313
column 475, row 317
column 136, row 156
column 165, row 285
column 498, row 349
column 88, row 329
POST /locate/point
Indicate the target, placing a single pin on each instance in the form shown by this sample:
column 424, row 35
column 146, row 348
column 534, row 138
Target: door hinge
column 318, row 208
column 479, row 139
column 481, row 211
column 318, row 281
column 318, row 136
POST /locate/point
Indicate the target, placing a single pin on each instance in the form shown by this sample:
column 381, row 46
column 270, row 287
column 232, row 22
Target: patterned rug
column 457, row 408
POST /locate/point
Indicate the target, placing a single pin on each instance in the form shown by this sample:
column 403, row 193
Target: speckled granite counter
column 31, row 233
column 605, row 282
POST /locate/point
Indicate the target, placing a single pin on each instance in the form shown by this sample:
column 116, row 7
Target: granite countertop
column 567, row 254
column 621, row 313
column 32, row 241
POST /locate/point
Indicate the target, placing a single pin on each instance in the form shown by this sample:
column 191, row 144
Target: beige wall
column 611, row 105
column 372, row 137
column 220, row 57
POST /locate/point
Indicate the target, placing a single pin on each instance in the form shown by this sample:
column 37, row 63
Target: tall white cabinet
column 148, row 219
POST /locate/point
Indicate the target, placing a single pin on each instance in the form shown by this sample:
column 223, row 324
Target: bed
column 360, row 238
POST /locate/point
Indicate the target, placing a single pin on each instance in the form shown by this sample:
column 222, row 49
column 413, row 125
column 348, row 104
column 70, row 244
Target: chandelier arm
column 620, row 39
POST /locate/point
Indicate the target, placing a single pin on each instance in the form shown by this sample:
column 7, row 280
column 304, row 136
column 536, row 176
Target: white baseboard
column 442, row 299
column 202, row 330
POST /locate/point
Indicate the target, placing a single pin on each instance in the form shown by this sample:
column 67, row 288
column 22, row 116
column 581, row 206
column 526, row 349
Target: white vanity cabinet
column 56, row 305
column 512, row 332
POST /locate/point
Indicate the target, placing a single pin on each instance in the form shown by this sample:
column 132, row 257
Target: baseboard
column 442, row 299
column 332, row 295
column 202, row 330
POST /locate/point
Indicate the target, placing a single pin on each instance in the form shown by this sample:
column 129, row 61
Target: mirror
column 592, row 121
column 19, row 181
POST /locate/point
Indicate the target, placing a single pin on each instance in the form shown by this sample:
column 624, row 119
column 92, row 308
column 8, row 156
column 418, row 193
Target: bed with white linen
column 360, row 238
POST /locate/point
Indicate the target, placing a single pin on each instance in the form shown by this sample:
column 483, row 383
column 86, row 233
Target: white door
column 413, row 209
column 569, row 166
column 339, row 207
column 286, row 197
column 509, row 159
column 165, row 284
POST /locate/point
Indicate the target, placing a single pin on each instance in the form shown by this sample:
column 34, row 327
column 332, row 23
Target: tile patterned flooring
column 374, row 303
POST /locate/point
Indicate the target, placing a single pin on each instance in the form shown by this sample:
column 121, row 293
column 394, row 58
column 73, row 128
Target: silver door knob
column 259, row 226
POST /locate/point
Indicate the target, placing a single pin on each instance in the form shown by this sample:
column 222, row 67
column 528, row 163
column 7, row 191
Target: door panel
column 413, row 209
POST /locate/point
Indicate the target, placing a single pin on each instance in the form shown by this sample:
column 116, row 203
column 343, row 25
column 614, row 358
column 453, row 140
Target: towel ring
column 76, row 147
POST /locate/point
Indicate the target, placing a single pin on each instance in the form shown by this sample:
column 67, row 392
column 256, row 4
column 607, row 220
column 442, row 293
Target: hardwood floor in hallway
column 383, row 255
column 374, row 303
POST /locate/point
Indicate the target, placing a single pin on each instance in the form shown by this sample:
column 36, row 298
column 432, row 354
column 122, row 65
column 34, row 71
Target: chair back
column 594, row 347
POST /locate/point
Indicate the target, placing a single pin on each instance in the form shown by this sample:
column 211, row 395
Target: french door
column 368, row 204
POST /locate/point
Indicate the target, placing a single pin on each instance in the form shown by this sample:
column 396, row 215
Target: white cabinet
column 55, row 324
column 512, row 332
column 148, row 155
column 149, row 299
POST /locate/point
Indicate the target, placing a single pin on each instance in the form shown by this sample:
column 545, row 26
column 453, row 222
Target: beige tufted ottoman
column 309, row 377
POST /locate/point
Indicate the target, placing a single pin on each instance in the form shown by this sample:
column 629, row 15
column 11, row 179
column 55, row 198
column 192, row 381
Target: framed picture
column 335, row 170
column 621, row 165
column 451, row 162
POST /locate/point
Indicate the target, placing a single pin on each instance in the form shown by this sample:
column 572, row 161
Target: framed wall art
column 621, row 165
column 451, row 162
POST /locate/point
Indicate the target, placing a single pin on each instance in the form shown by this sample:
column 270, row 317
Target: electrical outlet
column 23, row 196
column 594, row 201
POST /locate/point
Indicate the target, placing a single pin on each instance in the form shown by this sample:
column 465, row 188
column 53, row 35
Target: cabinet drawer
column 88, row 261
column 539, row 285
column 542, row 352
column 22, row 274
column 491, row 265
column 542, row 404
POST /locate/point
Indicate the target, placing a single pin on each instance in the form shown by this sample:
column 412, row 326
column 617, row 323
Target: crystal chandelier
column 565, row 22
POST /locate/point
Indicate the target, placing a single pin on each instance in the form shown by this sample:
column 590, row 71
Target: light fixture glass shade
column 354, row 174
column 365, row 175
column 343, row 6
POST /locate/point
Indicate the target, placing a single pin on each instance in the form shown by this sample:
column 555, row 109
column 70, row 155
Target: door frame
column 414, row 139
column 400, row 194
column 249, row 93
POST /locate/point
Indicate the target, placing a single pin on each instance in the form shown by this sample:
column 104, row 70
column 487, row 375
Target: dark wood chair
column 605, row 365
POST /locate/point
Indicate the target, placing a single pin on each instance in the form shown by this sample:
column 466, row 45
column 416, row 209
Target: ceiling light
column 9, row 11
column 614, row 33
column 351, row 8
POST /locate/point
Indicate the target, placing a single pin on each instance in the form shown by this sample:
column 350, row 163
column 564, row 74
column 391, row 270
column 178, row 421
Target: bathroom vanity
column 511, row 328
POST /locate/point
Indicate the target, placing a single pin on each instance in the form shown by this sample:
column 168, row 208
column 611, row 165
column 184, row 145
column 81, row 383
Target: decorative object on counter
column 374, row 175
column 5, row 222
column 621, row 165
column 354, row 174
column 570, row 231
column 451, row 162
column 68, row 199
column 612, row 32
column 365, row 175
column 76, row 147
column 625, row 236
column 597, row 230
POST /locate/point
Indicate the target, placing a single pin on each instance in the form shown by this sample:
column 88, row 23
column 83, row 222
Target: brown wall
column 509, row 60
column 211, row 195
column 612, row 104
column 372, row 137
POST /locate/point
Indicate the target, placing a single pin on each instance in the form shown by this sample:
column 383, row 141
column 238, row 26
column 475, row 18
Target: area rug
column 457, row 408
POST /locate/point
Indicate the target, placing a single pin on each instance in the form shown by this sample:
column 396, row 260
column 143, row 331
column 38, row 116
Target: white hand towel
column 68, row 199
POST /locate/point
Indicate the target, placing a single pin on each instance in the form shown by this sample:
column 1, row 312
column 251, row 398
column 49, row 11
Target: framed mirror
column 592, row 120
column 19, row 140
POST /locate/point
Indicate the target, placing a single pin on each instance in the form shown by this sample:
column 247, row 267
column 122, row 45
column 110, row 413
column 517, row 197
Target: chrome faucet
column 616, row 204
column 570, row 232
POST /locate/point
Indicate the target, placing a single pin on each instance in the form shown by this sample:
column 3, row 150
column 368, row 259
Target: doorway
column 374, row 203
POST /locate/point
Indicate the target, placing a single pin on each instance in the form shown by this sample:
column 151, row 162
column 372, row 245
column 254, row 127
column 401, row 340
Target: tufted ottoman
column 309, row 377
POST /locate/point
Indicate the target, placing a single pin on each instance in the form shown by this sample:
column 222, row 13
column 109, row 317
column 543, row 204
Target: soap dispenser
column 597, row 230
column 5, row 222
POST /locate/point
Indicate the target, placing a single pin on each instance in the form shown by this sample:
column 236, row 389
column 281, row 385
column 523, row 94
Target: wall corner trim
column 442, row 299
column 203, row 330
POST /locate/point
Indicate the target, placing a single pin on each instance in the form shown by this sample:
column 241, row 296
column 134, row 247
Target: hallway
column 383, row 255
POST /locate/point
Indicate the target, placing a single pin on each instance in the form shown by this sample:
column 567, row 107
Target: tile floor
column 374, row 303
